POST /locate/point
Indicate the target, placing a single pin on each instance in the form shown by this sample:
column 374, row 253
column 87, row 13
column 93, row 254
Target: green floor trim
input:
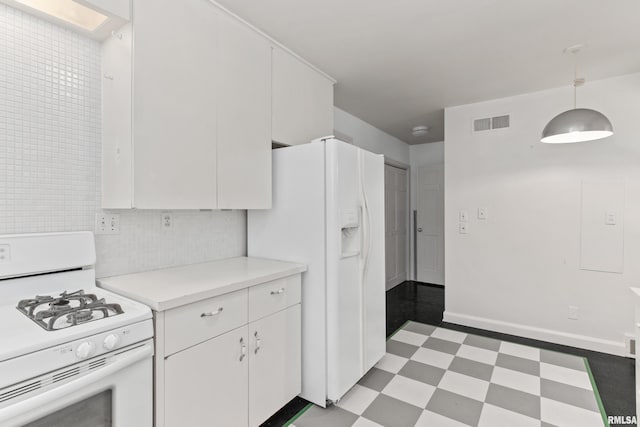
column 597, row 393
column 299, row 414
column 397, row 330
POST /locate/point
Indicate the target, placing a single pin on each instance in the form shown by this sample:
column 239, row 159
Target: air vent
column 500, row 122
column 61, row 376
column 481, row 124
column 66, row 374
column 97, row 363
column 491, row 123
column 19, row 391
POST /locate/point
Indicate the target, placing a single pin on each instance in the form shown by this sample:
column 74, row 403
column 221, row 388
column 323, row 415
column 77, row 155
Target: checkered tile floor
column 438, row 377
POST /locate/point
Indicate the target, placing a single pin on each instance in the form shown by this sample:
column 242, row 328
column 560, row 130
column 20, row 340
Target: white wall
column 519, row 270
column 50, row 156
column 369, row 137
column 431, row 153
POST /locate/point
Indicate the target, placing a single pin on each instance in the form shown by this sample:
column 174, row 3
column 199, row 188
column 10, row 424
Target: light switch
column 482, row 213
column 464, row 216
column 463, row 228
column 611, row 218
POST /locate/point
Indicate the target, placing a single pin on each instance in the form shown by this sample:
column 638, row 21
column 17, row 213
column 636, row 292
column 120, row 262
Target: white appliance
column 71, row 354
column 328, row 213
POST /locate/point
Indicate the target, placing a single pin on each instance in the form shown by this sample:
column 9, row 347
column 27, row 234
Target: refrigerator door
column 344, row 290
column 294, row 230
column 373, row 258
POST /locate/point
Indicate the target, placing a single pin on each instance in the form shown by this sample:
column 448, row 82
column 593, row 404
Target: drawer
column 194, row 323
column 273, row 296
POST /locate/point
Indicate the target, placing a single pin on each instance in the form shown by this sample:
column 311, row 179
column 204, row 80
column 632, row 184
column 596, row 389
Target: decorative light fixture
column 578, row 124
column 418, row 131
column 69, row 11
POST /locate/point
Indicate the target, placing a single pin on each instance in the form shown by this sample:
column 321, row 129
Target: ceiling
column 399, row 63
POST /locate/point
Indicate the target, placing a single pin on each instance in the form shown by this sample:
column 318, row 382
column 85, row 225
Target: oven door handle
column 26, row 406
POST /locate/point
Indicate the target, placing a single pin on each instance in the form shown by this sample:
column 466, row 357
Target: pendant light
column 578, row 124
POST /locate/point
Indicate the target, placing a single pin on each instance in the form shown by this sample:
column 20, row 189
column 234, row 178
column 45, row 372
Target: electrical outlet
column 573, row 312
column 107, row 224
column 463, row 216
column 167, row 220
column 5, row 253
column 482, row 213
column 463, row 228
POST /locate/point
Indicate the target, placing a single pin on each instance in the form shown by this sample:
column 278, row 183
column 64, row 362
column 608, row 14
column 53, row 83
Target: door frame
column 408, row 221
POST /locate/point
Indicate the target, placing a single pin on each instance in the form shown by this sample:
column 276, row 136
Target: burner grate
column 76, row 307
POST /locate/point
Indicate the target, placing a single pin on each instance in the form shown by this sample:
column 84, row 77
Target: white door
column 373, row 266
column 244, row 117
column 430, row 224
column 395, row 185
column 343, row 289
column 174, row 104
column 208, row 384
column 302, row 103
column 274, row 363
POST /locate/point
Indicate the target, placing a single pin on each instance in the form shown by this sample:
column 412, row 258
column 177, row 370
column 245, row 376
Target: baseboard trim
column 541, row 334
column 390, row 284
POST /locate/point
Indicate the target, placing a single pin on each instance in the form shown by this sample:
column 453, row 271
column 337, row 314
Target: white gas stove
column 67, row 346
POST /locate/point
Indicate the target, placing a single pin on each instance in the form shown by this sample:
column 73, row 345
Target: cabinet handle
column 243, row 349
column 278, row 292
column 212, row 313
column 257, row 343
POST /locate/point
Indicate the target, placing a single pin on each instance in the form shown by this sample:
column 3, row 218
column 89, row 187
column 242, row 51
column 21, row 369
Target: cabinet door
column 302, row 101
column 274, row 363
column 116, row 120
column 244, row 117
column 174, row 104
column 207, row 384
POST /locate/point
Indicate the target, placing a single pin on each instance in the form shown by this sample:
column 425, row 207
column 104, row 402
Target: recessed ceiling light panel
column 68, row 11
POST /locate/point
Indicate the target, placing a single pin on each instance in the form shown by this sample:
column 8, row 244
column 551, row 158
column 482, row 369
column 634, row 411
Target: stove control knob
column 86, row 349
column 111, row 341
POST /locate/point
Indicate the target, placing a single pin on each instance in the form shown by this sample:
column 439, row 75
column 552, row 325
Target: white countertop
column 172, row 287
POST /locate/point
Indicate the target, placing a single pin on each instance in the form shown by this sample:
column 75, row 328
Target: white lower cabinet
column 207, row 383
column 274, row 363
column 223, row 369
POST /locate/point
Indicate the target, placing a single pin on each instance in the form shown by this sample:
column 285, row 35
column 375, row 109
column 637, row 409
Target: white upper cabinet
column 244, row 117
column 174, row 104
column 192, row 99
column 302, row 101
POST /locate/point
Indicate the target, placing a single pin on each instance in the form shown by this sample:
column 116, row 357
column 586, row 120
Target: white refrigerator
column 328, row 212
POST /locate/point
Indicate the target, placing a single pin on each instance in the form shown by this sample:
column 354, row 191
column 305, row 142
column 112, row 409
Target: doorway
column 429, row 224
column 395, row 190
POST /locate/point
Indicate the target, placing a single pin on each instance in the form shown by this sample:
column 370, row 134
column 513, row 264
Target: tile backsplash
column 50, row 156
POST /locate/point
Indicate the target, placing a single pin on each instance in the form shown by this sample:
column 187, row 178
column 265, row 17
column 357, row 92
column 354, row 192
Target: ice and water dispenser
column 350, row 241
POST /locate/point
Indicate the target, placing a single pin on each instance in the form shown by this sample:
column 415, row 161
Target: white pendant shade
column 577, row 125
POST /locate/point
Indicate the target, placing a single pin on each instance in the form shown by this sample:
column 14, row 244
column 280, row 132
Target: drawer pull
column 243, row 349
column 278, row 292
column 212, row 313
column 257, row 343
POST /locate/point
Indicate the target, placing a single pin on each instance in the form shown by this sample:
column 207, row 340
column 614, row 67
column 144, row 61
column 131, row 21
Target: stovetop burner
column 67, row 309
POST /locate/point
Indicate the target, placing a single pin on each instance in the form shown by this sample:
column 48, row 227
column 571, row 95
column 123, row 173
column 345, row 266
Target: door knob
column 419, row 229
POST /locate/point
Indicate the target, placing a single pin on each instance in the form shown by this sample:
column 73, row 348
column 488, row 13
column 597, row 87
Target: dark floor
column 614, row 376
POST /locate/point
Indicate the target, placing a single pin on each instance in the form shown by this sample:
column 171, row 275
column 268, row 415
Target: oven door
column 113, row 390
